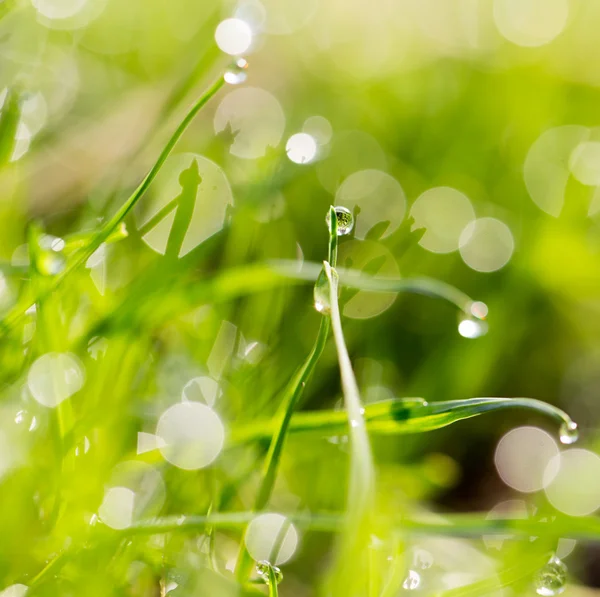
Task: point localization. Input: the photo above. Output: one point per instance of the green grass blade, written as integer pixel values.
(349, 577)
(113, 223)
(282, 420)
(400, 415)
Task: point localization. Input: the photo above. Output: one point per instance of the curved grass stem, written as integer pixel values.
(282, 420)
(361, 489)
(83, 254)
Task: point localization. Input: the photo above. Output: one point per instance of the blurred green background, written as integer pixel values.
(463, 135)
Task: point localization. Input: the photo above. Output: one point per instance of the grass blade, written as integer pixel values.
(400, 415)
(349, 577)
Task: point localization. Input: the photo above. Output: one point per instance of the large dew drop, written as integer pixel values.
(472, 328)
(551, 579)
(412, 581)
(263, 567)
(236, 73)
(345, 220)
(569, 433)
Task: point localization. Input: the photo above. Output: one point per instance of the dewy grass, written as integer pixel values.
(83, 254)
(288, 404)
(354, 568)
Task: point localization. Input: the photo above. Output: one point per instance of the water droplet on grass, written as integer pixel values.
(569, 433)
(321, 294)
(478, 309)
(26, 419)
(345, 220)
(236, 73)
(472, 328)
(551, 579)
(263, 567)
(423, 559)
(412, 581)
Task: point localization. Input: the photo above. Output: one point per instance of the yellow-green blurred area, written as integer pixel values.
(464, 138)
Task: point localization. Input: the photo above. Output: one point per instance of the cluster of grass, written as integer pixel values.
(139, 344)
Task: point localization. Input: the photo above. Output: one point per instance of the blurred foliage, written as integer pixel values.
(431, 93)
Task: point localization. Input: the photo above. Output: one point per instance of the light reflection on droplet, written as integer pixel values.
(376, 198)
(531, 22)
(443, 212)
(236, 73)
(345, 220)
(472, 328)
(486, 244)
(568, 433)
(233, 36)
(572, 482)
(478, 309)
(97, 347)
(264, 535)
(263, 569)
(54, 377)
(551, 579)
(83, 447)
(522, 456)
(255, 120)
(301, 148)
(26, 419)
(412, 581)
(192, 433)
(422, 559)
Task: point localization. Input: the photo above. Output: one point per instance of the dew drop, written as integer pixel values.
(551, 579)
(321, 294)
(472, 328)
(478, 309)
(25, 419)
(345, 220)
(263, 567)
(236, 73)
(423, 559)
(568, 433)
(412, 581)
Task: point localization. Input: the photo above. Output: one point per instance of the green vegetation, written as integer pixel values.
(265, 368)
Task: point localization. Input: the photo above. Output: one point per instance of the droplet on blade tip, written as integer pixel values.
(263, 567)
(345, 220)
(236, 73)
(569, 433)
(551, 579)
(412, 581)
(478, 309)
(472, 328)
